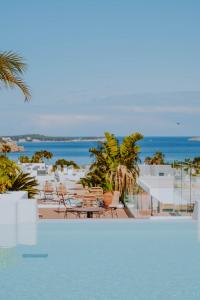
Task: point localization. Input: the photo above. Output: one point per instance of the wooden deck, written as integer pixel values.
(52, 213)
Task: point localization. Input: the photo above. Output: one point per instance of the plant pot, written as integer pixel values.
(107, 198)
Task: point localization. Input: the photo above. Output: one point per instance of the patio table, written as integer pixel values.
(88, 210)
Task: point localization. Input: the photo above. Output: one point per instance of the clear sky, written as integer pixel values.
(118, 65)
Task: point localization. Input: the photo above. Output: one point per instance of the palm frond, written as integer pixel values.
(111, 144)
(11, 67)
(25, 182)
(13, 62)
(128, 145)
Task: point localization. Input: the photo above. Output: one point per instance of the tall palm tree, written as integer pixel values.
(116, 165)
(12, 67)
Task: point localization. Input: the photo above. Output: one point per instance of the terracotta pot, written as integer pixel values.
(107, 198)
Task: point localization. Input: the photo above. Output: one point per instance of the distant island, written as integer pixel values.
(44, 138)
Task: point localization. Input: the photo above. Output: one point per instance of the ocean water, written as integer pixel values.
(105, 260)
(174, 148)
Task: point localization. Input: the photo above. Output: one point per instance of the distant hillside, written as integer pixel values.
(40, 137)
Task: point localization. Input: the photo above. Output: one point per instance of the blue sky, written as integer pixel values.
(93, 65)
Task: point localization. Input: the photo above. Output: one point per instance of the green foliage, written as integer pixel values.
(24, 159)
(194, 166)
(63, 162)
(38, 157)
(12, 67)
(158, 158)
(115, 165)
(8, 169)
(25, 182)
(12, 179)
(189, 165)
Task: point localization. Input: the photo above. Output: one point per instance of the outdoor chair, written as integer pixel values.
(69, 206)
(90, 201)
(61, 189)
(49, 191)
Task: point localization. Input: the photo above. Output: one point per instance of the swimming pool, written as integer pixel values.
(123, 259)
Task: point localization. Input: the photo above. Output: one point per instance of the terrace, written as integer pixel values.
(165, 191)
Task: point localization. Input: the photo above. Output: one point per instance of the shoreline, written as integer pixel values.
(63, 141)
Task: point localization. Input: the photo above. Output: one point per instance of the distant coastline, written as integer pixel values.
(62, 141)
(43, 138)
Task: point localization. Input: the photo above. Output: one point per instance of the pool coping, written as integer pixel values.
(152, 219)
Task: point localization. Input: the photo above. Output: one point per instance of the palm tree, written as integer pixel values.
(48, 155)
(191, 165)
(148, 160)
(116, 165)
(63, 162)
(24, 159)
(8, 169)
(158, 158)
(196, 165)
(39, 155)
(24, 182)
(12, 67)
(94, 179)
(12, 179)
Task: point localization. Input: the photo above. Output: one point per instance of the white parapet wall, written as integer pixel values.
(196, 212)
(159, 187)
(156, 170)
(16, 208)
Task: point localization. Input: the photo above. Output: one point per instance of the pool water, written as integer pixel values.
(137, 260)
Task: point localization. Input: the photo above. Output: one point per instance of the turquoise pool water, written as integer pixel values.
(137, 260)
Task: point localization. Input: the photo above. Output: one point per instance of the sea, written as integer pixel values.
(174, 148)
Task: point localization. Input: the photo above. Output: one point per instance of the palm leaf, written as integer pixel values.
(111, 144)
(11, 67)
(25, 182)
(128, 145)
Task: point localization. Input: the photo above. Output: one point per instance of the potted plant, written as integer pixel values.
(108, 195)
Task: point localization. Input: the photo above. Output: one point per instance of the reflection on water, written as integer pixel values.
(10, 237)
(8, 257)
(196, 217)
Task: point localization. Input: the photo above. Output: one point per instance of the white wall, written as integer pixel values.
(159, 187)
(16, 208)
